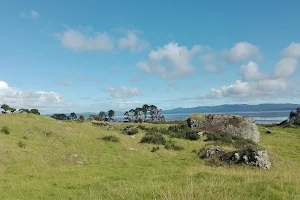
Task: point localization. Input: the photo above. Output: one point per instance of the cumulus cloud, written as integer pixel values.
(170, 61)
(32, 15)
(132, 42)
(126, 105)
(83, 41)
(249, 90)
(44, 101)
(124, 92)
(249, 72)
(243, 51)
(286, 67)
(293, 50)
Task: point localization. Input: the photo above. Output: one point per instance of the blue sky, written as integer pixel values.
(100, 55)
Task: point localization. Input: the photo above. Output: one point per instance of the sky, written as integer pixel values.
(88, 56)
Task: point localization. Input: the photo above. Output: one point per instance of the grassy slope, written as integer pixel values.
(48, 169)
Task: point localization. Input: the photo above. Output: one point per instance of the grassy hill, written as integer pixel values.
(43, 158)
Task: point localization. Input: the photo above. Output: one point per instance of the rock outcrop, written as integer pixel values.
(243, 127)
(251, 157)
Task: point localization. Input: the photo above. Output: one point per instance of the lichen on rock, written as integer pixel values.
(243, 127)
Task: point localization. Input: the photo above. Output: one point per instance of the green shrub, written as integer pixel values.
(220, 137)
(130, 131)
(142, 127)
(21, 144)
(172, 145)
(111, 138)
(5, 130)
(297, 121)
(242, 143)
(155, 149)
(182, 131)
(153, 138)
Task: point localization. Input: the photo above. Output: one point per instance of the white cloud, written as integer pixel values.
(170, 61)
(124, 92)
(249, 72)
(32, 15)
(44, 101)
(82, 41)
(293, 50)
(133, 42)
(272, 85)
(243, 51)
(245, 90)
(286, 67)
(126, 105)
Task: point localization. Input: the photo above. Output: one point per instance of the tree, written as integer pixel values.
(81, 118)
(111, 115)
(102, 115)
(35, 111)
(73, 116)
(12, 110)
(293, 115)
(24, 110)
(145, 110)
(298, 111)
(127, 117)
(5, 107)
(60, 117)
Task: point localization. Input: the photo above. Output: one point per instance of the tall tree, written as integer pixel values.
(81, 118)
(102, 115)
(5, 107)
(12, 110)
(298, 111)
(73, 116)
(145, 110)
(111, 115)
(35, 111)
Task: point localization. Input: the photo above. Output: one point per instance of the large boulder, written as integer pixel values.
(252, 157)
(243, 127)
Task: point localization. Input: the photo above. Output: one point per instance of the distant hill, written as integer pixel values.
(233, 108)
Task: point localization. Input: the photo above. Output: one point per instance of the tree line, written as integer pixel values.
(144, 114)
(7, 109)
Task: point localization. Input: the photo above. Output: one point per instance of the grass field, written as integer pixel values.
(43, 158)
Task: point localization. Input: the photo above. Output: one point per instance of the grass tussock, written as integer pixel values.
(5, 130)
(111, 138)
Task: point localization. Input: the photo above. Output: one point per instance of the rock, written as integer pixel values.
(243, 127)
(200, 134)
(131, 149)
(251, 157)
(268, 132)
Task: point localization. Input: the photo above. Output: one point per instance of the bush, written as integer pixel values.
(297, 121)
(130, 131)
(220, 137)
(111, 138)
(172, 145)
(142, 127)
(21, 144)
(153, 138)
(5, 130)
(181, 130)
(155, 149)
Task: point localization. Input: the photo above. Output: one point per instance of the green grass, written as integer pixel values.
(72, 163)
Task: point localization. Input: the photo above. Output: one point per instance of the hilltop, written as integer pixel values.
(42, 158)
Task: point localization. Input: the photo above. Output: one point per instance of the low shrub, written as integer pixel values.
(181, 131)
(172, 145)
(21, 144)
(220, 137)
(5, 130)
(142, 127)
(111, 138)
(155, 149)
(153, 138)
(130, 131)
